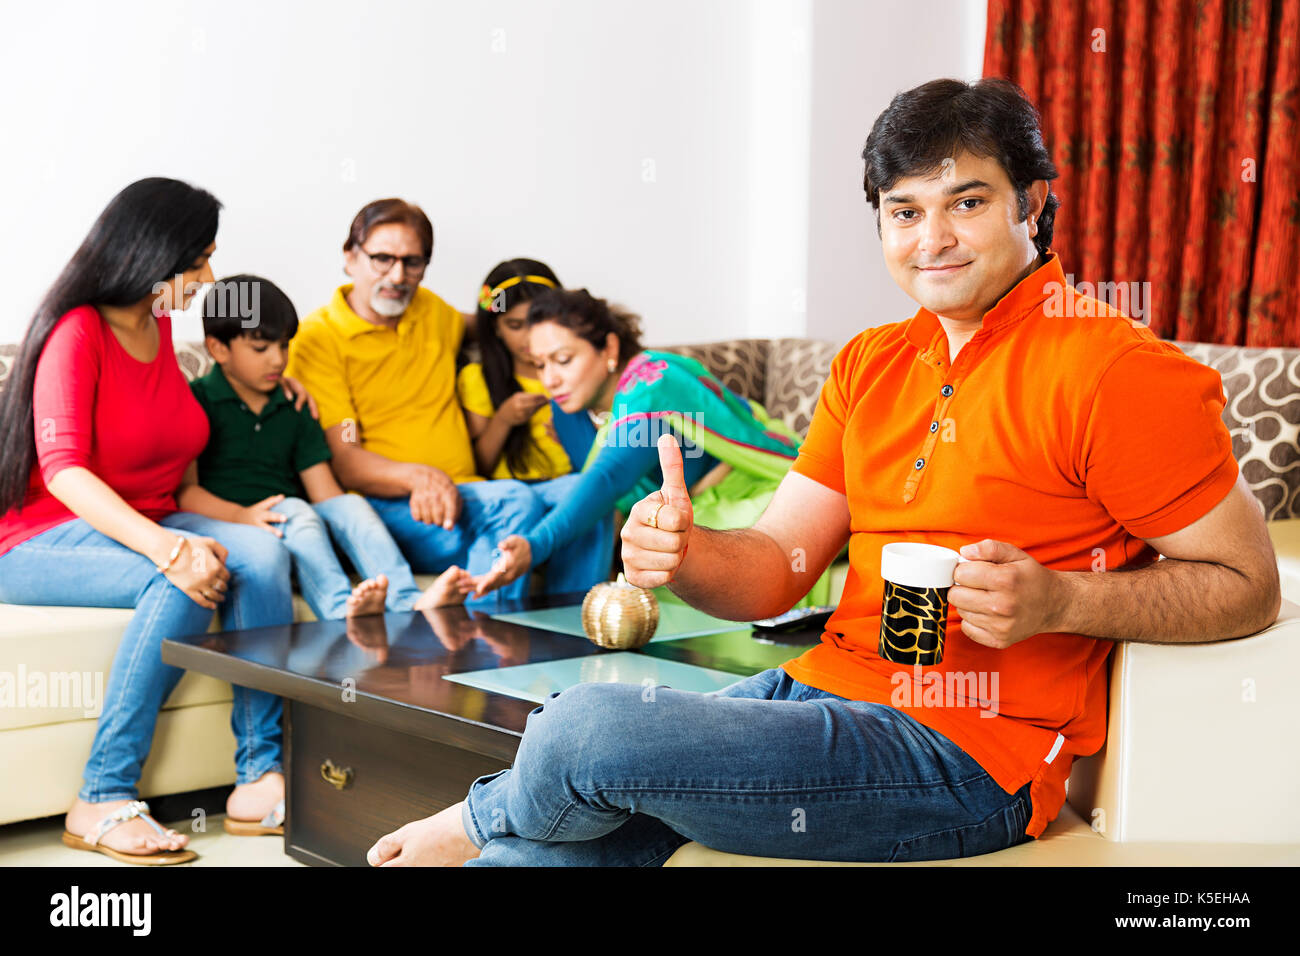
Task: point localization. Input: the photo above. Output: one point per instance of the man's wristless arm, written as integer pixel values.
(737, 575)
(1168, 602)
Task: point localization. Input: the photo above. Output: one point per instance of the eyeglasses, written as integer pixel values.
(381, 262)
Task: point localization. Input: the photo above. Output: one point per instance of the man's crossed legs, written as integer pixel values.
(621, 775)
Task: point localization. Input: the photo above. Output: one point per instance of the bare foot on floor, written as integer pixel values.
(368, 597)
(253, 801)
(439, 840)
(451, 587)
(133, 836)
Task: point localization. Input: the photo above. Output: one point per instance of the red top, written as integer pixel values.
(134, 424)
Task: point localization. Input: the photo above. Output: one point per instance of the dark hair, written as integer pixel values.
(247, 305)
(498, 362)
(151, 231)
(991, 117)
(382, 212)
(589, 318)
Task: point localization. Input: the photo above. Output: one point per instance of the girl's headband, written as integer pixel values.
(487, 295)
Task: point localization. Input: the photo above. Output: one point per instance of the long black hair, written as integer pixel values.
(152, 230)
(992, 117)
(518, 276)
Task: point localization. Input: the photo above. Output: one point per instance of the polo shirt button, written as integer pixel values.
(257, 427)
(920, 463)
(934, 427)
(946, 391)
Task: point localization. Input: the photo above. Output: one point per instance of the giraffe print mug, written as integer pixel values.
(914, 611)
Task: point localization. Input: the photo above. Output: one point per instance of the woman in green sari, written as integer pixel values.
(590, 358)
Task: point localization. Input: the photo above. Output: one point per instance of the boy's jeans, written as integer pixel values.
(361, 534)
(623, 775)
(74, 565)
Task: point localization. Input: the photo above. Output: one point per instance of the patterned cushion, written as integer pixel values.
(1263, 417)
(7, 355)
(193, 359)
(796, 371)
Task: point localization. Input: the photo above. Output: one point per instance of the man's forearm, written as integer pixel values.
(372, 474)
(738, 575)
(1168, 602)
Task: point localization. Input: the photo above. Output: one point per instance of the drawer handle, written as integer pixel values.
(337, 777)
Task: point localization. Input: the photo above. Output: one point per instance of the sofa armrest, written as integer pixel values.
(1200, 742)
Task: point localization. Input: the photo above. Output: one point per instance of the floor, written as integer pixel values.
(37, 843)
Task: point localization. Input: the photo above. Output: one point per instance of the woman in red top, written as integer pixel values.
(99, 428)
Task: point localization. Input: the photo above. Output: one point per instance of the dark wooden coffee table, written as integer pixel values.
(374, 737)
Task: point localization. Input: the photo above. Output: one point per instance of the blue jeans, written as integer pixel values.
(354, 525)
(623, 775)
(74, 565)
(490, 512)
(585, 561)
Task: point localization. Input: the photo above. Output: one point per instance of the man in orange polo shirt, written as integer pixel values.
(1043, 434)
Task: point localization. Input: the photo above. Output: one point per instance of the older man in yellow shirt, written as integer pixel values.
(380, 360)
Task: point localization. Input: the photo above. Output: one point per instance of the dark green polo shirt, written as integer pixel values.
(250, 457)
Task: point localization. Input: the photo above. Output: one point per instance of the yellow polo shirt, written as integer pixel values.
(397, 387)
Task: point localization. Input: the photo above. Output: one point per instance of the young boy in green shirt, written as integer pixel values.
(264, 457)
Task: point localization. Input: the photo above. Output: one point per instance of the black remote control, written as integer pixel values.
(801, 619)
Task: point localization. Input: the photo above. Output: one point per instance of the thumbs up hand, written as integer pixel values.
(658, 530)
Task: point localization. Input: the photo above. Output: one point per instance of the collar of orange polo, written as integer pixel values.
(346, 320)
(1025, 296)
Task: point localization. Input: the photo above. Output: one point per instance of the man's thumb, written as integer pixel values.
(994, 552)
(670, 463)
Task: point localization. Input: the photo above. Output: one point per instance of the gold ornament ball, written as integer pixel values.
(619, 616)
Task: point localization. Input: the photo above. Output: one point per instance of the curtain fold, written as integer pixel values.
(1174, 125)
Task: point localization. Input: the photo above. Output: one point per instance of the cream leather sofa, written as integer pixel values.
(1198, 767)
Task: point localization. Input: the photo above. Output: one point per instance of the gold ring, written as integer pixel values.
(653, 520)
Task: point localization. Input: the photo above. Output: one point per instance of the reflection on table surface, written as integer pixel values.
(403, 657)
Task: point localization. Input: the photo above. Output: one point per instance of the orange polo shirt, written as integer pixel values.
(1061, 428)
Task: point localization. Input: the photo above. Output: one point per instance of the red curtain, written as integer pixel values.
(1175, 127)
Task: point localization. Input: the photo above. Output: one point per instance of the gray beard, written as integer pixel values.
(389, 308)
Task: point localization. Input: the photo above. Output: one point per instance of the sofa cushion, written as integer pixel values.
(1068, 841)
(1199, 742)
(796, 371)
(64, 654)
(1263, 417)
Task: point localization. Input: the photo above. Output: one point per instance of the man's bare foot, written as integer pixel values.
(253, 801)
(439, 840)
(133, 836)
(451, 587)
(368, 597)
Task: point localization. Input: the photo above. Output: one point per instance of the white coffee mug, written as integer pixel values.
(914, 606)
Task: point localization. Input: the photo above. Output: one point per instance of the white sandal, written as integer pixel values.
(136, 808)
(271, 825)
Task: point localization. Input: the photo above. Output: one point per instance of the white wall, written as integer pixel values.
(864, 53)
(693, 159)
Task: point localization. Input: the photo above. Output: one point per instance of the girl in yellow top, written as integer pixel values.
(508, 412)
(518, 432)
